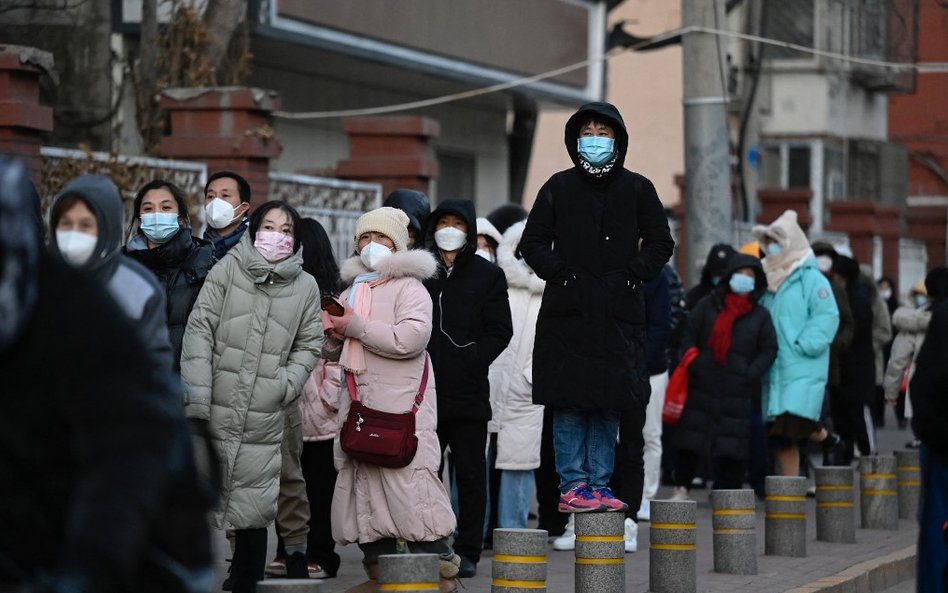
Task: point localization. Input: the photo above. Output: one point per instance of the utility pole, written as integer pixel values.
(707, 158)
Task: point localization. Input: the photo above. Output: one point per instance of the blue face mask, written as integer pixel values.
(774, 249)
(596, 150)
(741, 284)
(160, 226)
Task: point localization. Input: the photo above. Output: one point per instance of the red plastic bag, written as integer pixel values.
(677, 391)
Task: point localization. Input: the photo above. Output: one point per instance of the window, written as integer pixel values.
(456, 173)
(798, 167)
(792, 21)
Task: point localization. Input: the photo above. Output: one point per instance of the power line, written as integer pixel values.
(920, 67)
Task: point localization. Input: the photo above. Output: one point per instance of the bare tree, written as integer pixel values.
(222, 18)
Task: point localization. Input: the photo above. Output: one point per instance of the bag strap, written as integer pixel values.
(420, 397)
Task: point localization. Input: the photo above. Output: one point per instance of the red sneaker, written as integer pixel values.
(608, 500)
(579, 500)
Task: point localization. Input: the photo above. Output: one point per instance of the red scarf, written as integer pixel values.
(720, 341)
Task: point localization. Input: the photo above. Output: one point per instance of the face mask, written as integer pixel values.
(774, 249)
(824, 263)
(450, 238)
(219, 213)
(885, 294)
(595, 150)
(715, 280)
(921, 300)
(485, 254)
(373, 253)
(273, 246)
(741, 284)
(160, 226)
(75, 247)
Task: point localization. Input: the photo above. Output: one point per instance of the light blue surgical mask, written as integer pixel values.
(741, 284)
(774, 249)
(596, 150)
(159, 227)
(921, 300)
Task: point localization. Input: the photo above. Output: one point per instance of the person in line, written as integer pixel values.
(488, 238)
(380, 339)
(178, 259)
(505, 216)
(840, 409)
(227, 204)
(309, 474)
(417, 207)
(86, 218)
(472, 327)
(84, 448)
(736, 344)
(516, 422)
(805, 317)
(928, 389)
(252, 340)
(911, 323)
(582, 237)
(887, 293)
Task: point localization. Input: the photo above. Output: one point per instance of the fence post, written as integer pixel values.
(409, 573)
(785, 522)
(671, 555)
(519, 563)
(909, 474)
(600, 552)
(733, 522)
(835, 513)
(879, 504)
(23, 121)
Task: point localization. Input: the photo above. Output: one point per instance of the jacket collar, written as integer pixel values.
(260, 270)
(412, 263)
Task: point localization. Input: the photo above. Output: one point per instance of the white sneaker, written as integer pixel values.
(631, 536)
(680, 493)
(567, 541)
(645, 511)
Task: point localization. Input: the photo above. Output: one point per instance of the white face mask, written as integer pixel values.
(373, 253)
(450, 238)
(219, 213)
(485, 254)
(885, 294)
(76, 247)
(824, 263)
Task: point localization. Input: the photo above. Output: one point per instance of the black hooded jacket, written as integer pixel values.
(181, 265)
(132, 286)
(929, 388)
(416, 206)
(716, 418)
(582, 237)
(471, 319)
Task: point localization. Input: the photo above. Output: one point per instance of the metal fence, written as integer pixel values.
(335, 203)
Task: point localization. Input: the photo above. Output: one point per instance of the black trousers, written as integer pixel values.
(628, 477)
(729, 473)
(849, 420)
(320, 475)
(547, 482)
(250, 559)
(468, 440)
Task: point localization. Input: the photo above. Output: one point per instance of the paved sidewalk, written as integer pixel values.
(887, 554)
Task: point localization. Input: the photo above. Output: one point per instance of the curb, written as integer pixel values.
(871, 576)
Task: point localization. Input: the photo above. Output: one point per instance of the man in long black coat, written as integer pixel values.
(583, 237)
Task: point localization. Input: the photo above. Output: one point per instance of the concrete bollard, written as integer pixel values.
(671, 554)
(600, 552)
(835, 513)
(409, 573)
(735, 539)
(785, 519)
(909, 477)
(879, 503)
(519, 561)
(290, 586)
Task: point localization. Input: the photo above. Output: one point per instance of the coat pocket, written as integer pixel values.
(561, 299)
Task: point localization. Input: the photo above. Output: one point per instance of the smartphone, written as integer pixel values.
(332, 306)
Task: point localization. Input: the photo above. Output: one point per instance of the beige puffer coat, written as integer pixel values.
(370, 502)
(910, 325)
(252, 339)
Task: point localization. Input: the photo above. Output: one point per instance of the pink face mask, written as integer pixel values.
(273, 246)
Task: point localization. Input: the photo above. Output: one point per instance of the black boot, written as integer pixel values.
(250, 559)
(834, 450)
(297, 566)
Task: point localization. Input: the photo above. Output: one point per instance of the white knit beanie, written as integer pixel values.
(391, 222)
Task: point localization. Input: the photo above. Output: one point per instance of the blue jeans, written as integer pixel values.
(932, 516)
(585, 443)
(513, 502)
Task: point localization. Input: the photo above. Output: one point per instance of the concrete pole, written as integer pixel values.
(519, 561)
(409, 573)
(707, 149)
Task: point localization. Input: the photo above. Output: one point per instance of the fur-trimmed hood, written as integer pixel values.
(519, 274)
(414, 263)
